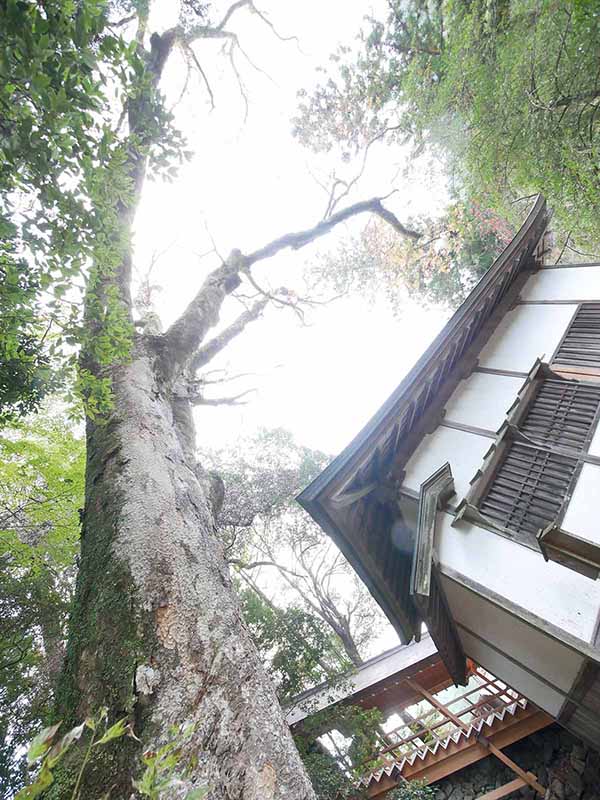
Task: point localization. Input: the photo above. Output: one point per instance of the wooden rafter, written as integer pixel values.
(461, 754)
(504, 791)
(524, 776)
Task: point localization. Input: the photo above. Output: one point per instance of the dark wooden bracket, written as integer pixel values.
(426, 589)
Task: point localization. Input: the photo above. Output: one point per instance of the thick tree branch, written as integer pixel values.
(186, 334)
(300, 239)
(218, 343)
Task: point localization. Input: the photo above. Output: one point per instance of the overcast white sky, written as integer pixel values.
(250, 182)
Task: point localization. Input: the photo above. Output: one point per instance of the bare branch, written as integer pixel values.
(236, 400)
(566, 244)
(227, 378)
(277, 297)
(190, 51)
(238, 562)
(183, 89)
(240, 82)
(124, 21)
(218, 343)
(231, 11)
(349, 185)
(213, 31)
(268, 22)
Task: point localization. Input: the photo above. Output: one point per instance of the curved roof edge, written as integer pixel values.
(536, 219)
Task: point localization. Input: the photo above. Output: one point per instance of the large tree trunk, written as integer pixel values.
(156, 631)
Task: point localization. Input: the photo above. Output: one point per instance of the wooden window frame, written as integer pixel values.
(554, 543)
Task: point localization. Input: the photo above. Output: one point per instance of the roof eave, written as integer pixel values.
(318, 488)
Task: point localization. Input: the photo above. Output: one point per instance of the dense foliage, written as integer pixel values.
(504, 91)
(441, 267)
(50, 95)
(41, 490)
(68, 75)
(297, 647)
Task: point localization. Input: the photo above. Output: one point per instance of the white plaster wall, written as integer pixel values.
(482, 400)
(463, 450)
(542, 654)
(515, 676)
(526, 333)
(595, 443)
(565, 598)
(572, 283)
(582, 517)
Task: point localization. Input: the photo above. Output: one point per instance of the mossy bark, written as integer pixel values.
(156, 631)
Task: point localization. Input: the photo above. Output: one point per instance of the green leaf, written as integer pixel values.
(42, 782)
(114, 732)
(41, 743)
(196, 794)
(61, 747)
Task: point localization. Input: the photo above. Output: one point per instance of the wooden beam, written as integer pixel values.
(436, 703)
(525, 776)
(459, 756)
(468, 751)
(504, 791)
(481, 739)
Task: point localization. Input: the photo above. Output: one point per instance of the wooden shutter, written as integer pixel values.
(529, 488)
(530, 485)
(562, 412)
(581, 344)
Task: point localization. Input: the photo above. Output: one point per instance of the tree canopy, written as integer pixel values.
(504, 91)
(52, 139)
(41, 492)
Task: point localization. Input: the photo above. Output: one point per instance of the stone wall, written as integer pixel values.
(567, 768)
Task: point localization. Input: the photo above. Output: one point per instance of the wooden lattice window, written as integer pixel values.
(527, 484)
(580, 346)
(562, 413)
(538, 464)
(528, 489)
(529, 474)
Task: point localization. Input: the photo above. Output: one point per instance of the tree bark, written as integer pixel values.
(157, 632)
